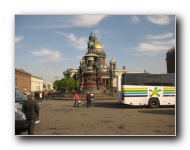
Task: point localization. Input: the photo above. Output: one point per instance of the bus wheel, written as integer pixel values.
(153, 103)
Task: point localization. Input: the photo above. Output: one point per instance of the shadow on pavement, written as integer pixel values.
(118, 105)
(115, 105)
(161, 112)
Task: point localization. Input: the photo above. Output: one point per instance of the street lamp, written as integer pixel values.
(111, 73)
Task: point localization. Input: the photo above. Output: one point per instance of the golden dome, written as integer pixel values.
(98, 45)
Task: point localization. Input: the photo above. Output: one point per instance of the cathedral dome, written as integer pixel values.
(94, 46)
(98, 45)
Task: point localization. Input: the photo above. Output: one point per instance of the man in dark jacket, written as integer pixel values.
(88, 99)
(31, 110)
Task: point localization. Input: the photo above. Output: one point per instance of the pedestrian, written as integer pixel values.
(76, 99)
(88, 99)
(31, 110)
(91, 99)
(60, 92)
(40, 94)
(43, 95)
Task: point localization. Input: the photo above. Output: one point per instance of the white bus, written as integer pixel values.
(152, 90)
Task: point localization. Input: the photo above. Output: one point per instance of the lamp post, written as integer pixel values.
(112, 75)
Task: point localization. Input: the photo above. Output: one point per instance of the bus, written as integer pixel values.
(152, 90)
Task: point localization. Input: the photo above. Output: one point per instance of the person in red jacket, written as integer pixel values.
(76, 99)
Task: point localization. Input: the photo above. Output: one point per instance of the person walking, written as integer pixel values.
(40, 94)
(35, 96)
(31, 110)
(76, 99)
(88, 99)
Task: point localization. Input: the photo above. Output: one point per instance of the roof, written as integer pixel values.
(22, 71)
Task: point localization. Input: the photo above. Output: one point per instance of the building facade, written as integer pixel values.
(27, 82)
(170, 60)
(22, 80)
(48, 86)
(72, 71)
(36, 84)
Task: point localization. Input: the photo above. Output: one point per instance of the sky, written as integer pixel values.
(46, 45)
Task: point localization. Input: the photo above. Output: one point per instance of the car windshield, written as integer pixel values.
(19, 96)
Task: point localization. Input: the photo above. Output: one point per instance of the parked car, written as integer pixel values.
(20, 118)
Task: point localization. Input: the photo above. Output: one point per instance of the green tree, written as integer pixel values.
(67, 84)
(62, 85)
(55, 84)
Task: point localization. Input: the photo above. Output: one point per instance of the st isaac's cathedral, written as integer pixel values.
(94, 73)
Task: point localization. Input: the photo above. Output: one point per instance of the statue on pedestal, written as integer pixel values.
(98, 65)
(91, 41)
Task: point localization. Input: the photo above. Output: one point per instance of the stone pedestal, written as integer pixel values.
(92, 81)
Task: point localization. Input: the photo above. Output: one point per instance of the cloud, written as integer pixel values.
(70, 21)
(100, 32)
(86, 20)
(151, 47)
(145, 54)
(18, 39)
(160, 19)
(155, 46)
(48, 55)
(169, 42)
(162, 36)
(135, 19)
(76, 42)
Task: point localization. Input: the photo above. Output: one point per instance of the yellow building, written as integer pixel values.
(36, 84)
(48, 86)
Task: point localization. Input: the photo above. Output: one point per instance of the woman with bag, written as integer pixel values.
(76, 100)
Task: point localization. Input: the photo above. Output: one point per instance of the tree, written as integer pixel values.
(55, 84)
(67, 84)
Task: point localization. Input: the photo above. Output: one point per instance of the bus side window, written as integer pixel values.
(152, 80)
(168, 80)
(133, 80)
